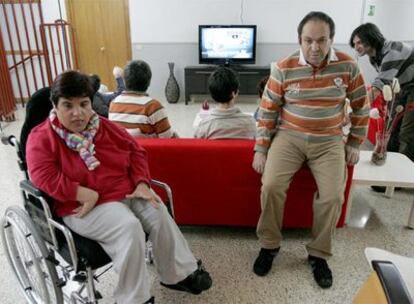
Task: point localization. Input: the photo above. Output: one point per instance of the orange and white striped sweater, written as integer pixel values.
(309, 102)
(140, 115)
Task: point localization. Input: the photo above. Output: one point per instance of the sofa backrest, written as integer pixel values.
(213, 182)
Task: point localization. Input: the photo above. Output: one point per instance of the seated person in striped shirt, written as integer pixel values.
(391, 59)
(307, 92)
(225, 120)
(138, 113)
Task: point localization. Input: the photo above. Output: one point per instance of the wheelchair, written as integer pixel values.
(45, 255)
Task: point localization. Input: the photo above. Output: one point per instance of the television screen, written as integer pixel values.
(226, 44)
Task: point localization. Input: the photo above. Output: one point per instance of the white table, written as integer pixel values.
(398, 171)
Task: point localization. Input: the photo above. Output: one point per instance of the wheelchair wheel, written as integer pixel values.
(27, 253)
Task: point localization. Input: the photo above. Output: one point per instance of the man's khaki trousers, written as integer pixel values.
(326, 159)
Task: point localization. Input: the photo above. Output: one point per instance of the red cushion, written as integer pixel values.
(213, 182)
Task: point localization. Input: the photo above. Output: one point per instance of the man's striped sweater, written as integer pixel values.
(309, 102)
(141, 115)
(396, 59)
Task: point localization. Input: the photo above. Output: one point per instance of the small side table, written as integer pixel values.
(398, 171)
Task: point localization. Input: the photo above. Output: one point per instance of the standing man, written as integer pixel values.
(306, 92)
(391, 59)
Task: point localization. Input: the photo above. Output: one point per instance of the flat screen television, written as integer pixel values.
(227, 44)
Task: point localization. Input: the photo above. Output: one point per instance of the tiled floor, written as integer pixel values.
(228, 253)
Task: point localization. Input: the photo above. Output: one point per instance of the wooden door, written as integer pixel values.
(102, 36)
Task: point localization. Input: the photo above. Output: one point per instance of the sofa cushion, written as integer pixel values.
(213, 182)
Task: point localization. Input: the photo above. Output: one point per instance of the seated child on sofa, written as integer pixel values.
(140, 114)
(225, 120)
(260, 89)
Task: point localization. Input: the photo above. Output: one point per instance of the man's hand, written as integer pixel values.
(259, 162)
(144, 192)
(118, 72)
(87, 199)
(351, 155)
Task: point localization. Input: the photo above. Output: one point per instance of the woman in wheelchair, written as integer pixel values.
(97, 175)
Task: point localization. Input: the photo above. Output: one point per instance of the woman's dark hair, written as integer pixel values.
(71, 84)
(369, 34)
(137, 75)
(222, 83)
(95, 82)
(317, 16)
(261, 85)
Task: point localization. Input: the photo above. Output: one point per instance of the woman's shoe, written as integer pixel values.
(195, 283)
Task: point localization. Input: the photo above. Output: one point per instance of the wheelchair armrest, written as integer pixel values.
(28, 186)
(168, 191)
(392, 283)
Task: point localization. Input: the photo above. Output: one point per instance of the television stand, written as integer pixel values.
(196, 78)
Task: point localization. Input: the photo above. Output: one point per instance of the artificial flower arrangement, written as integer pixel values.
(388, 113)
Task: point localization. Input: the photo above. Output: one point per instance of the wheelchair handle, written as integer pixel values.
(9, 140)
(30, 188)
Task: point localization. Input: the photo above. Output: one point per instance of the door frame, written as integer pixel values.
(69, 14)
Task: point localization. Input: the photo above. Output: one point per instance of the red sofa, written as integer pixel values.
(213, 183)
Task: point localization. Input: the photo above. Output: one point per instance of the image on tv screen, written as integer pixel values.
(232, 42)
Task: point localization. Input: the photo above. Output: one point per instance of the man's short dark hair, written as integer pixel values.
(321, 16)
(137, 75)
(71, 84)
(369, 34)
(95, 82)
(222, 83)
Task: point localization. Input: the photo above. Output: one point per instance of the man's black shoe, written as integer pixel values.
(195, 283)
(382, 189)
(321, 271)
(264, 261)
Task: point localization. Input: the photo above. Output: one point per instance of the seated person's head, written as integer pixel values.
(223, 85)
(95, 82)
(261, 85)
(71, 95)
(137, 76)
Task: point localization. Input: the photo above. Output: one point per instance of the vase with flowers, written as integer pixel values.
(388, 113)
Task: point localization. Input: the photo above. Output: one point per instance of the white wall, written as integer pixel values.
(393, 17)
(172, 21)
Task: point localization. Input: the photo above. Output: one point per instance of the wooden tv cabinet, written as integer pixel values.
(196, 78)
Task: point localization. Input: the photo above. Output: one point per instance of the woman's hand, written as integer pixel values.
(143, 191)
(87, 199)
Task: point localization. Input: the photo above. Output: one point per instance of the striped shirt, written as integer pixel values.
(396, 59)
(140, 115)
(309, 102)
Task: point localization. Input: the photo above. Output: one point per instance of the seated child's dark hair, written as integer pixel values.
(261, 85)
(95, 82)
(137, 75)
(222, 83)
